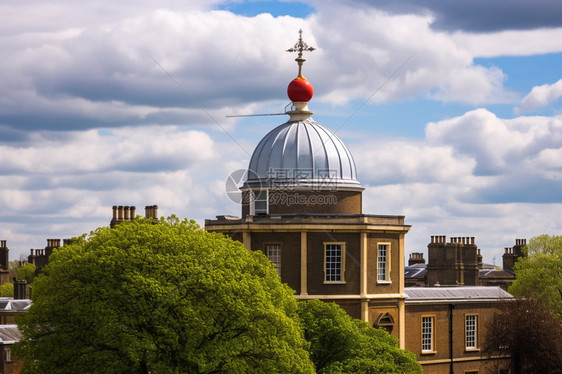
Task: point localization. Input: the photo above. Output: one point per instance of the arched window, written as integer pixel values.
(384, 321)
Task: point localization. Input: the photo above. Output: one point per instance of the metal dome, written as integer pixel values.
(302, 153)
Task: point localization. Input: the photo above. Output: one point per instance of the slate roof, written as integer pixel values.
(9, 334)
(496, 274)
(455, 294)
(9, 304)
(415, 271)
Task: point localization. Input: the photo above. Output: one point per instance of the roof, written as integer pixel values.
(9, 334)
(415, 271)
(15, 305)
(455, 294)
(302, 153)
(495, 273)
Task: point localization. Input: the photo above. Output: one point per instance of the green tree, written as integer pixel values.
(539, 274)
(26, 272)
(160, 298)
(7, 290)
(341, 344)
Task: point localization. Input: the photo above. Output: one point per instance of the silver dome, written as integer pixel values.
(302, 153)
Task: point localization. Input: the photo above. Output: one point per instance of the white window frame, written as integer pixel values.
(427, 334)
(383, 275)
(255, 199)
(471, 332)
(330, 258)
(274, 254)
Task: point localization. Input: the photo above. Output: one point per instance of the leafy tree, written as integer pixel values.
(525, 332)
(7, 290)
(13, 268)
(26, 272)
(341, 344)
(539, 274)
(160, 298)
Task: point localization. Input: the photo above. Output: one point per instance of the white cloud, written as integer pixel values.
(540, 96)
(510, 43)
(70, 67)
(114, 70)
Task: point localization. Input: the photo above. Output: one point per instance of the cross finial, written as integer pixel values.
(300, 47)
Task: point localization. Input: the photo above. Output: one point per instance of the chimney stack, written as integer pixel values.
(151, 211)
(20, 289)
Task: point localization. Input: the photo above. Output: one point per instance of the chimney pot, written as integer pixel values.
(120, 212)
(126, 210)
(133, 210)
(115, 212)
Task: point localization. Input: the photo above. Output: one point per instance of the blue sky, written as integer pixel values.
(452, 110)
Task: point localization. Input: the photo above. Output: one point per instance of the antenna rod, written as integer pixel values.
(256, 115)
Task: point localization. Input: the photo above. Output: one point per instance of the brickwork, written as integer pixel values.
(439, 361)
(290, 201)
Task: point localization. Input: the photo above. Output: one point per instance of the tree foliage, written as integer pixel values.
(26, 272)
(7, 290)
(528, 334)
(539, 274)
(341, 344)
(160, 298)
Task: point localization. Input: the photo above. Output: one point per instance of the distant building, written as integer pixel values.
(446, 327)
(4, 262)
(456, 262)
(459, 262)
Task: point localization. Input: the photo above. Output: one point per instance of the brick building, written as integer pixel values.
(302, 206)
(446, 327)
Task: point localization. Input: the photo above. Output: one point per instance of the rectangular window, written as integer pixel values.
(383, 254)
(334, 262)
(427, 334)
(273, 252)
(471, 331)
(259, 204)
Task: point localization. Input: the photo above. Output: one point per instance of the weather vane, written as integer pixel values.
(300, 47)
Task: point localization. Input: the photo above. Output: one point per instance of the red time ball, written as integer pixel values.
(300, 90)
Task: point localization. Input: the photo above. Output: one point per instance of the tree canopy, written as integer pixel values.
(341, 344)
(7, 290)
(526, 333)
(165, 297)
(539, 274)
(26, 272)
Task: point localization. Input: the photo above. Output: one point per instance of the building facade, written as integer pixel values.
(302, 207)
(447, 325)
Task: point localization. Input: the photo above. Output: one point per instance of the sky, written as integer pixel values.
(451, 110)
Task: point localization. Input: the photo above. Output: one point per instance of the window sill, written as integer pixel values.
(472, 349)
(384, 283)
(428, 352)
(334, 282)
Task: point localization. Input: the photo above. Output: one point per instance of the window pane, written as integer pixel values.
(427, 334)
(382, 263)
(471, 328)
(260, 202)
(274, 254)
(333, 262)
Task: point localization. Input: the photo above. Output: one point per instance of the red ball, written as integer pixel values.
(300, 90)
